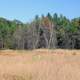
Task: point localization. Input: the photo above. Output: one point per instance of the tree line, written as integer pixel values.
(50, 31)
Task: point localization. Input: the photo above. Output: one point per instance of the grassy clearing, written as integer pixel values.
(40, 64)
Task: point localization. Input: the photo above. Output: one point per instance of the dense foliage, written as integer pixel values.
(43, 32)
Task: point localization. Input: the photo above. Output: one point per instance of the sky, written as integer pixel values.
(25, 10)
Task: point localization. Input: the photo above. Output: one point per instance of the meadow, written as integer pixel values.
(40, 64)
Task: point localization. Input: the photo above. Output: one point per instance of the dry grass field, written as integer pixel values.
(40, 65)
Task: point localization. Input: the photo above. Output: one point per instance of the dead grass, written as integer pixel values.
(40, 64)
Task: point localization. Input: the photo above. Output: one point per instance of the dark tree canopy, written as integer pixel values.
(50, 31)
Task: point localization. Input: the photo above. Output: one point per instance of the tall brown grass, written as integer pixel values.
(40, 64)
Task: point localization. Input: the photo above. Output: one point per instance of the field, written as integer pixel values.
(40, 64)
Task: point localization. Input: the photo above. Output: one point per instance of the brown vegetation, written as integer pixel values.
(40, 65)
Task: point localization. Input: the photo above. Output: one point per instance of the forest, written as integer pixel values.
(50, 31)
